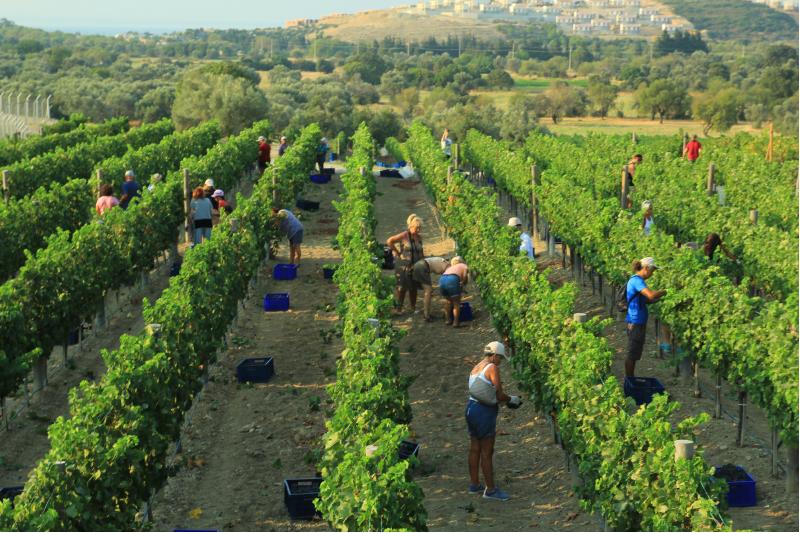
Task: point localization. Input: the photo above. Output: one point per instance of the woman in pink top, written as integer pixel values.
(106, 200)
(451, 285)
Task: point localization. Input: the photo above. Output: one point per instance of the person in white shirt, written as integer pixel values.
(526, 241)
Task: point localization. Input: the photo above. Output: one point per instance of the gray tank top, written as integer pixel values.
(481, 389)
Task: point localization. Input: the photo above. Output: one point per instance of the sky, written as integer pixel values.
(114, 16)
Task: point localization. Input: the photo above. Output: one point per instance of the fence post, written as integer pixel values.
(742, 414)
(754, 216)
(40, 372)
(580, 318)
(684, 449)
(718, 397)
(6, 192)
(710, 184)
(186, 205)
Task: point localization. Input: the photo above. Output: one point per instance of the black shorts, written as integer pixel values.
(636, 336)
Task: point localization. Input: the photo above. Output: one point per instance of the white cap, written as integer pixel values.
(649, 262)
(262, 139)
(209, 183)
(495, 347)
(283, 138)
(514, 222)
(324, 139)
(647, 204)
(218, 193)
(130, 173)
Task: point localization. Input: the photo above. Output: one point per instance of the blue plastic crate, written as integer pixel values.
(299, 496)
(333, 157)
(284, 272)
(491, 182)
(741, 493)
(278, 301)
(642, 389)
(399, 164)
(466, 313)
(408, 449)
(380, 164)
(328, 272)
(255, 370)
(175, 269)
(307, 205)
(74, 336)
(321, 178)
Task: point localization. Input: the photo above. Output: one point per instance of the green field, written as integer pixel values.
(542, 84)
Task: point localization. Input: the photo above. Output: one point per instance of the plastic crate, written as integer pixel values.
(307, 205)
(74, 336)
(381, 164)
(466, 313)
(284, 272)
(328, 273)
(388, 259)
(399, 164)
(408, 449)
(741, 493)
(299, 495)
(255, 370)
(175, 269)
(321, 178)
(10, 493)
(333, 157)
(278, 301)
(642, 389)
(491, 182)
(329, 171)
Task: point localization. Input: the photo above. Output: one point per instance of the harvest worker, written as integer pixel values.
(447, 143)
(130, 189)
(208, 190)
(200, 213)
(452, 284)
(155, 179)
(692, 149)
(639, 296)
(712, 242)
(527, 244)
(106, 200)
(485, 395)
(647, 217)
(322, 150)
(293, 229)
(264, 154)
(407, 248)
(421, 277)
(283, 146)
(630, 170)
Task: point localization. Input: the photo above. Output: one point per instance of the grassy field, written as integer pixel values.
(542, 84)
(640, 126)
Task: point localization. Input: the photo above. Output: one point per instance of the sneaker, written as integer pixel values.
(496, 494)
(476, 489)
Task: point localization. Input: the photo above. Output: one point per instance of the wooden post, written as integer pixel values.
(623, 199)
(718, 397)
(696, 371)
(534, 207)
(99, 181)
(791, 467)
(685, 142)
(742, 414)
(684, 449)
(634, 139)
(274, 189)
(6, 192)
(580, 318)
(770, 145)
(775, 441)
(455, 155)
(754, 216)
(40, 372)
(710, 184)
(187, 195)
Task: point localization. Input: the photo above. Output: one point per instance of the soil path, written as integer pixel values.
(776, 511)
(527, 464)
(242, 440)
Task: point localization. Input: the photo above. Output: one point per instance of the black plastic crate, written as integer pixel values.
(299, 495)
(408, 449)
(307, 205)
(642, 389)
(10, 493)
(255, 370)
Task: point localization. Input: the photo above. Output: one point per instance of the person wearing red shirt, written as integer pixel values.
(264, 150)
(692, 149)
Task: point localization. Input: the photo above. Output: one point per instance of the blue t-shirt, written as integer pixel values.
(131, 189)
(637, 308)
(289, 223)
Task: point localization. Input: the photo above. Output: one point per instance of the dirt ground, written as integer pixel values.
(776, 511)
(235, 442)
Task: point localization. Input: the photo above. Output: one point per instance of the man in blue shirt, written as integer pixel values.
(130, 189)
(639, 296)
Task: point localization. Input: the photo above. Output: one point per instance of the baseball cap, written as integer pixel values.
(495, 347)
(209, 183)
(130, 173)
(324, 139)
(218, 193)
(283, 138)
(649, 262)
(514, 222)
(262, 139)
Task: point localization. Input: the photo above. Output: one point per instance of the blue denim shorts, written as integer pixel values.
(481, 419)
(450, 285)
(296, 239)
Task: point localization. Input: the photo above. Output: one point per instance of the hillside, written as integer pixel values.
(737, 19)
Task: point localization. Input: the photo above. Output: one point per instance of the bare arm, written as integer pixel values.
(494, 376)
(394, 240)
(726, 252)
(653, 296)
